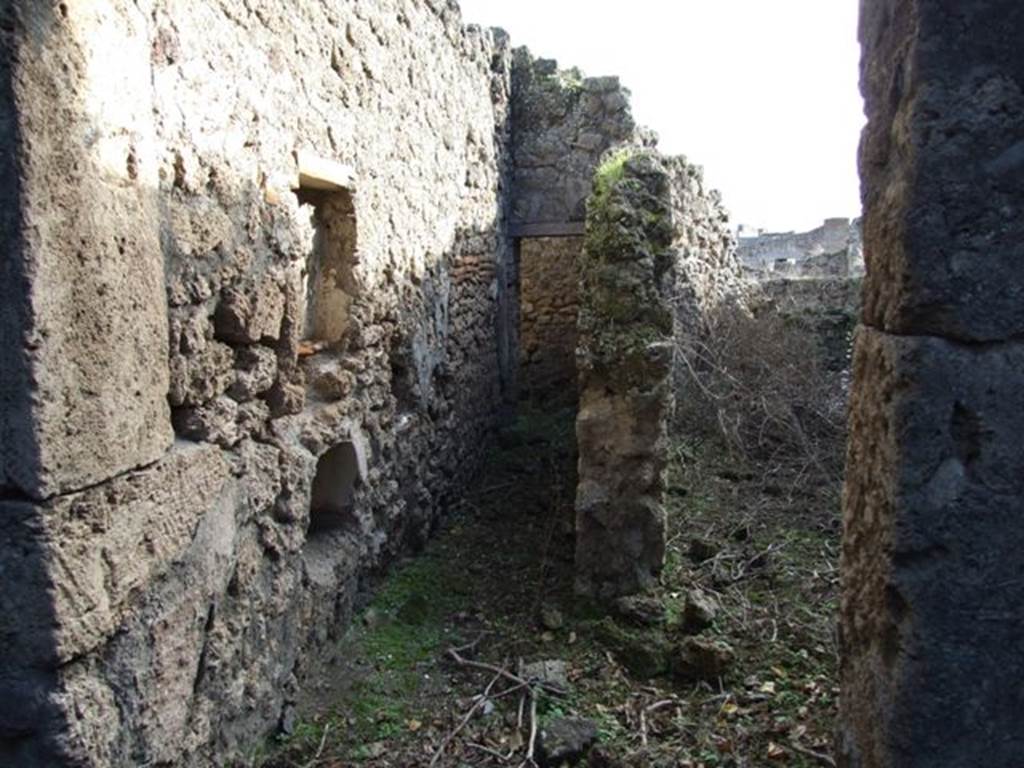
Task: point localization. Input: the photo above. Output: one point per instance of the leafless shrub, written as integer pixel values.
(762, 384)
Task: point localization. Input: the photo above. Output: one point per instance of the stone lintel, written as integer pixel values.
(315, 172)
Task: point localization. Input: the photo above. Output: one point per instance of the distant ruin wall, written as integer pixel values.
(707, 272)
(549, 305)
(831, 250)
(178, 188)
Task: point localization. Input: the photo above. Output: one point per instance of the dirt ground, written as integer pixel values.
(752, 552)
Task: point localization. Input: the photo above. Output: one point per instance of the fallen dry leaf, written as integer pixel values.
(775, 752)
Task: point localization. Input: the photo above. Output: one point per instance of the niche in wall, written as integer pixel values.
(332, 500)
(329, 278)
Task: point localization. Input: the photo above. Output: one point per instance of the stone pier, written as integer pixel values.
(932, 617)
(624, 359)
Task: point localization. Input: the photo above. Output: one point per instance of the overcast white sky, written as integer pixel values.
(762, 93)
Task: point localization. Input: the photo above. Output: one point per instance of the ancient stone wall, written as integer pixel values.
(548, 293)
(827, 307)
(563, 124)
(329, 343)
(83, 318)
(707, 272)
(932, 591)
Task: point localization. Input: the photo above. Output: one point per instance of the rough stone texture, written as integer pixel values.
(563, 124)
(565, 741)
(932, 509)
(932, 585)
(701, 658)
(645, 653)
(707, 272)
(658, 257)
(941, 159)
(84, 322)
(699, 611)
(625, 358)
(99, 553)
(548, 309)
(164, 260)
(553, 672)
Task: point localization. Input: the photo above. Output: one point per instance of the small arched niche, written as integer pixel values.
(332, 501)
(329, 279)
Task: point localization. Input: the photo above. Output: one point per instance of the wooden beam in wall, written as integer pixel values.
(547, 229)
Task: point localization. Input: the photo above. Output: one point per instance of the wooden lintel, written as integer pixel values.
(547, 229)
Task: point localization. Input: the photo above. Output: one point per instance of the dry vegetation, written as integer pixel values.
(762, 386)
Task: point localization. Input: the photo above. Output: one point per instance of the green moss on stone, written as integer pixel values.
(645, 653)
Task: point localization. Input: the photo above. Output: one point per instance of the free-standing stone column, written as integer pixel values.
(932, 617)
(624, 359)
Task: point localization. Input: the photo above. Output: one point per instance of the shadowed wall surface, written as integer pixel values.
(932, 578)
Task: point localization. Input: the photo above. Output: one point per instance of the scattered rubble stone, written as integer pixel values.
(644, 653)
(642, 610)
(699, 612)
(701, 658)
(552, 671)
(565, 740)
(551, 617)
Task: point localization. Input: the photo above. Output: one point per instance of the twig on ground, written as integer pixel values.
(471, 646)
(489, 751)
(454, 655)
(819, 756)
(533, 730)
(465, 720)
(745, 568)
(320, 750)
(662, 704)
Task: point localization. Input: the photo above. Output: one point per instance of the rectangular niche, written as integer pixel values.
(329, 281)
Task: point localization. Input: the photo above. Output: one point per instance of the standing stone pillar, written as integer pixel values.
(932, 617)
(624, 360)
